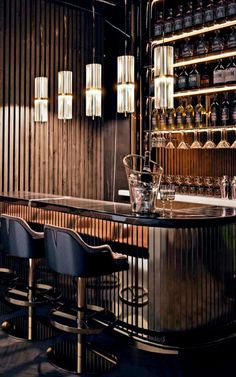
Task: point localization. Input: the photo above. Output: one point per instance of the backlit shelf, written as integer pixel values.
(205, 29)
(210, 90)
(205, 58)
(204, 129)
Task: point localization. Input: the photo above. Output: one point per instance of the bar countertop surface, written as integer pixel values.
(184, 214)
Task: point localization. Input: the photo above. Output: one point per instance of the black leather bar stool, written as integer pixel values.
(20, 240)
(67, 254)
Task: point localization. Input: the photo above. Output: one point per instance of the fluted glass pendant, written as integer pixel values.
(164, 77)
(41, 99)
(125, 84)
(94, 90)
(65, 95)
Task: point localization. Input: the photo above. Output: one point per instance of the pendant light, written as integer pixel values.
(164, 77)
(41, 99)
(65, 95)
(125, 79)
(93, 82)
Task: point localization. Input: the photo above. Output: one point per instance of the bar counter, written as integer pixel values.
(180, 289)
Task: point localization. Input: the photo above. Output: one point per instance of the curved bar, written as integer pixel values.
(180, 291)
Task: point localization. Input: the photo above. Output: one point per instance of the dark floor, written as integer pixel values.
(23, 358)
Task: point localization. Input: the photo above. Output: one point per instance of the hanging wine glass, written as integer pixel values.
(196, 144)
(182, 144)
(234, 143)
(209, 144)
(223, 143)
(170, 144)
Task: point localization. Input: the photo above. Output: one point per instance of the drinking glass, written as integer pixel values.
(223, 143)
(196, 144)
(182, 144)
(171, 197)
(208, 182)
(209, 144)
(163, 196)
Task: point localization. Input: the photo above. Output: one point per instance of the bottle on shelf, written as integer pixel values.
(187, 49)
(146, 175)
(200, 114)
(198, 15)
(215, 112)
(188, 17)
(230, 72)
(189, 110)
(231, 9)
(231, 42)
(178, 21)
(224, 116)
(180, 116)
(194, 78)
(168, 26)
(162, 119)
(233, 111)
(220, 10)
(159, 25)
(171, 122)
(217, 42)
(202, 46)
(183, 79)
(209, 13)
(219, 74)
(205, 77)
(154, 119)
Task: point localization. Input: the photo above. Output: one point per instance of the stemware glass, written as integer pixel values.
(182, 144)
(208, 182)
(223, 143)
(163, 196)
(196, 144)
(171, 197)
(170, 144)
(209, 144)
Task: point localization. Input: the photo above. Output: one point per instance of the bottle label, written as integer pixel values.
(219, 76)
(188, 22)
(178, 24)
(189, 119)
(198, 118)
(182, 82)
(232, 40)
(179, 119)
(220, 12)
(201, 48)
(170, 120)
(209, 15)
(214, 116)
(231, 9)
(233, 116)
(197, 18)
(168, 27)
(194, 80)
(158, 30)
(230, 74)
(225, 114)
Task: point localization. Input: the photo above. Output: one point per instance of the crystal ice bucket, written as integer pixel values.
(143, 192)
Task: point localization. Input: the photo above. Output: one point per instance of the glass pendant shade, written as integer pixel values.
(94, 90)
(41, 99)
(125, 84)
(65, 95)
(164, 77)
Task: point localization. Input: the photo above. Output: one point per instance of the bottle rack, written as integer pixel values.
(205, 90)
(192, 130)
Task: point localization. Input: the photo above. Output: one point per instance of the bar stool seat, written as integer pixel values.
(67, 254)
(20, 240)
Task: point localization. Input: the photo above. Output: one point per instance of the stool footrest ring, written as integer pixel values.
(20, 295)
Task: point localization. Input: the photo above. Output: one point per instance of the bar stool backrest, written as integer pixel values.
(19, 239)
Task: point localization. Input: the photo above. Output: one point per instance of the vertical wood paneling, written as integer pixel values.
(39, 38)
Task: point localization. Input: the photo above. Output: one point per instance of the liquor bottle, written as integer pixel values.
(215, 112)
(231, 42)
(158, 27)
(198, 15)
(187, 49)
(183, 79)
(217, 42)
(178, 21)
(168, 27)
(171, 119)
(209, 13)
(225, 120)
(233, 111)
(231, 9)
(180, 116)
(219, 74)
(162, 119)
(205, 77)
(230, 72)
(154, 119)
(202, 46)
(200, 114)
(188, 17)
(220, 11)
(146, 175)
(189, 110)
(194, 78)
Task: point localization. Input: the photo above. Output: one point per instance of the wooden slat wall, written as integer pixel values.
(40, 38)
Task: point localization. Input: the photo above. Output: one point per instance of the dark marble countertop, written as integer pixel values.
(185, 215)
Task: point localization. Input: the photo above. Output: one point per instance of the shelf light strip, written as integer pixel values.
(205, 91)
(195, 32)
(215, 129)
(203, 59)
